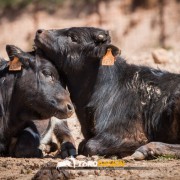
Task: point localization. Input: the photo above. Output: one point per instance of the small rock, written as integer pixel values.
(95, 158)
(91, 176)
(160, 56)
(96, 172)
(91, 173)
(114, 157)
(28, 171)
(82, 173)
(80, 157)
(23, 171)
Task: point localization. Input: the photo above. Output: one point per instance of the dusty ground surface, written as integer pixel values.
(11, 168)
(161, 168)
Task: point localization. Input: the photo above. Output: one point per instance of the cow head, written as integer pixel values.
(74, 45)
(38, 86)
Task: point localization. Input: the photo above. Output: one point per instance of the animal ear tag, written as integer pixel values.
(15, 64)
(108, 59)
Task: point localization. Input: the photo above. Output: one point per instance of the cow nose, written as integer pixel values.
(70, 108)
(40, 31)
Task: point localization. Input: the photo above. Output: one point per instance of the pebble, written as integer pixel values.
(80, 157)
(95, 158)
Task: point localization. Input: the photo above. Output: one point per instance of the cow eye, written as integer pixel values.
(48, 75)
(73, 38)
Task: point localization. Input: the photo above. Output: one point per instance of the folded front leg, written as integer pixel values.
(154, 149)
(58, 133)
(108, 144)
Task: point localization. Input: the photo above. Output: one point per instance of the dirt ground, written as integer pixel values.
(11, 168)
(160, 168)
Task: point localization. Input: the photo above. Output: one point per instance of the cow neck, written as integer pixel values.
(81, 84)
(105, 90)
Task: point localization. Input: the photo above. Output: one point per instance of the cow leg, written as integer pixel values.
(107, 144)
(154, 149)
(63, 135)
(46, 139)
(59, 130)
(27, 144)
(95, 147)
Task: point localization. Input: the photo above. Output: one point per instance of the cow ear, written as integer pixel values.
(110, 55)
(15, 65)
(17, 58)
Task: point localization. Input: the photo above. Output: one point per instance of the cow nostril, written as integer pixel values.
(69, 107)
(39, 31)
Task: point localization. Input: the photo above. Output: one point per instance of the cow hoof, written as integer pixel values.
(147, 151)
(67, 149)
(138, 155)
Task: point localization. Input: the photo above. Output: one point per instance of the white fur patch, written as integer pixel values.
(35, 135)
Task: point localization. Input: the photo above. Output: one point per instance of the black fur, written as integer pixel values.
(120, 107)
(35, 92)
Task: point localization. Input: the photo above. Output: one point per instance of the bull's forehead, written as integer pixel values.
(80, 31)
(87, 30)
(88, 34)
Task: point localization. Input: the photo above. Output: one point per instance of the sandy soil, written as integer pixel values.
(11, 168)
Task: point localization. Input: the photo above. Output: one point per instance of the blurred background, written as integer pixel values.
(136, 26)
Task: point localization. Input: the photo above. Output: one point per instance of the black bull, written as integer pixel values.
(121, 108)
(30, 89)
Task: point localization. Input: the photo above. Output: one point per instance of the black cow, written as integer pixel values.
(30, 89)
(121, 107)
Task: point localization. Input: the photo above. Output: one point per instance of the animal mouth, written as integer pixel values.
(41, 38)
(62, 115)
(37, 42)
(58, 114)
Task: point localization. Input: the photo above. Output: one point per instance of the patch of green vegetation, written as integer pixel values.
(167, 157)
